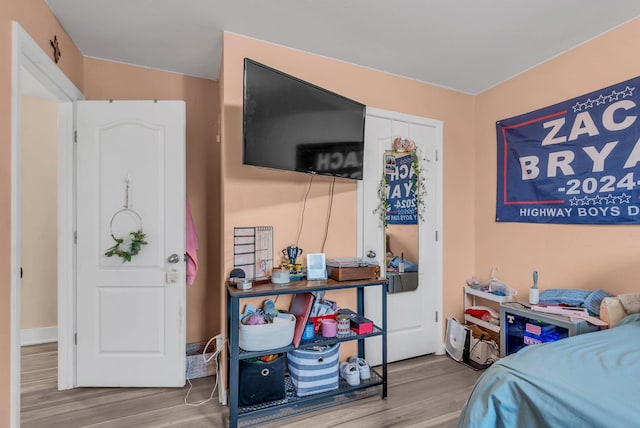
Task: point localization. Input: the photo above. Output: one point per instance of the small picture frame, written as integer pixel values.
(389, 163)
(316, 266)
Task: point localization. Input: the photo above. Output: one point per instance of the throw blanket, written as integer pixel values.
(192, 247)
(589, 380)
(588, 299)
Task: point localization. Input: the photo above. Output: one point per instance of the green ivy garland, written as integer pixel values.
(418, 189)
(383, 204)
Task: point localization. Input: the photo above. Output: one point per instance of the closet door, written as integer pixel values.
(414, 314)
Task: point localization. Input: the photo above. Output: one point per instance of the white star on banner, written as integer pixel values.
(628, 92)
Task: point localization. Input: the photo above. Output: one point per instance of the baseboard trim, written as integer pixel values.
(37, 336)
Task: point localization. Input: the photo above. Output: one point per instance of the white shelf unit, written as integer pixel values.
(473, 294)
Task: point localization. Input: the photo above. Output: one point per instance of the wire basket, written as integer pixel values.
(197, 364)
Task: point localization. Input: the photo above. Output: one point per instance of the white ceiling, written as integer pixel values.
(466, 45)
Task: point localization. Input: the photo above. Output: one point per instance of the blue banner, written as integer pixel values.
(573, 162)
(400, 189)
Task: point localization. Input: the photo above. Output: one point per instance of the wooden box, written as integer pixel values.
(353, 273)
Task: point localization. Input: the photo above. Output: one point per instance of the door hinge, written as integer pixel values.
(75, 136)
(75, 338)
(436, 316)
(436, 236)
(75, 237)
(436, 156)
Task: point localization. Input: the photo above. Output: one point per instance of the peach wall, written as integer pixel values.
(110, 80)
(255, 196)
(36, 18)
(38, 213)
(566, 256)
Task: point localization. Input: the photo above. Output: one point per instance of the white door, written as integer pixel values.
(413, 317)
(130, 177)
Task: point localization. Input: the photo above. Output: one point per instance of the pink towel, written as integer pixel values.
(192, 248)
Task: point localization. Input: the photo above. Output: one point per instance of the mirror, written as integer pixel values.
(401, 246)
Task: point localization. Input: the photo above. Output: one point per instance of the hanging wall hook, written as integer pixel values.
(127, 181)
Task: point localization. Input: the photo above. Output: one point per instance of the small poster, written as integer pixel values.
(401, 200)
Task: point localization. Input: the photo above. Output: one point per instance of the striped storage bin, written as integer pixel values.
(314, 371)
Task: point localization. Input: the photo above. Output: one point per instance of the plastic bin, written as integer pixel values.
(317, 321)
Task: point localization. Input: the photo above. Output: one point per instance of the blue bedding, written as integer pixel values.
(589, 380)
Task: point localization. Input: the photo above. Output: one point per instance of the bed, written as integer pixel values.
(589, 380)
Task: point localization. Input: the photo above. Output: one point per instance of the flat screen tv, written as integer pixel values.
(290, 124)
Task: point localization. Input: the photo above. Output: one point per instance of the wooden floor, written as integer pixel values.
(423, 392)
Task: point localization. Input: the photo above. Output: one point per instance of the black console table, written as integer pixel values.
(293, 405)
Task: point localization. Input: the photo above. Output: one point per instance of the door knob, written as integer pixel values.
(173, 258)
(371, 254)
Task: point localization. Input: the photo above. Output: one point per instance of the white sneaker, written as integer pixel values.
(350, 373)
(363, 367)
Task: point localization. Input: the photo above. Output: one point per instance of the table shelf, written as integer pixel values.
(293, 405)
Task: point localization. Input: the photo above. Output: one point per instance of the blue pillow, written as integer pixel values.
(592, 302)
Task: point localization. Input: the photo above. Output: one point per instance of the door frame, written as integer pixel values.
(27, 54)
(437, 212)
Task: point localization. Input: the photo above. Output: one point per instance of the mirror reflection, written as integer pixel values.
(401, 245)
